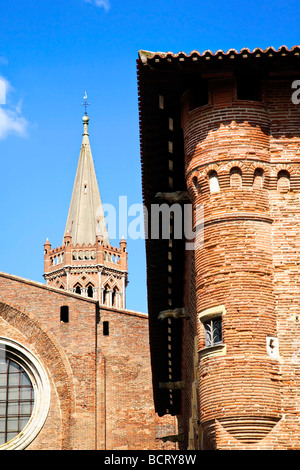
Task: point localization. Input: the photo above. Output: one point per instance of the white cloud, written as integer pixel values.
(11, 120)
(4, 85)
(100, 3)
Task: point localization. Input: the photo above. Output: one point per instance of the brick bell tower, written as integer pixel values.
(86, 263)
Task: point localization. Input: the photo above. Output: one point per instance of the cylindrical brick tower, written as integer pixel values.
(226, 155)
(224, 126)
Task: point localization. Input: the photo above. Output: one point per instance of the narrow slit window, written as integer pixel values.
(105, 328)
(161, 103)
(64, 314)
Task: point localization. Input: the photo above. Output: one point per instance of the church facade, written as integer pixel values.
(75, 368)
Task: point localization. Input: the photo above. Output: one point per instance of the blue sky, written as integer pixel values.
(51, 52)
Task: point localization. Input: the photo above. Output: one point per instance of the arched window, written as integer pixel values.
(258, 178)
(235, 177)
(283, 181)
(78, 289)
(195, 182)
(114, 297)
(17, 399)
(105, 295)
(24, 395)
(214, 182)
(90, 291)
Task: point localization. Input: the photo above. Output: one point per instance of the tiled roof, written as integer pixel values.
(231, 53)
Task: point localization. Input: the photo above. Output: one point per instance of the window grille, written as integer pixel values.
(213, 331)
(16, 399)
(24, 395)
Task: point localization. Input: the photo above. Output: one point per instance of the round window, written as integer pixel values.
(24, 395)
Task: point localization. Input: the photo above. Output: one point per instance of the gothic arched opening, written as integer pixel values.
(90, 291)
(78, 289)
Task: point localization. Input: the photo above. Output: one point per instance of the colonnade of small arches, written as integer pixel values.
(260, 178)
(110, 295)
(57, 259)
(76, 255)
(236, 179)
(83, 255)
(88, 291)
(111, 257)
(90, 255)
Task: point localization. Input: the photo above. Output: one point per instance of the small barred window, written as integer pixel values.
(213, 331)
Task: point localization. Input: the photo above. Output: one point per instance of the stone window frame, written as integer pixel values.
(218, 349)
(213, 331)
(41, 386)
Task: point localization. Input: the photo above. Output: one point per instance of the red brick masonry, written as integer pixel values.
(101, 391)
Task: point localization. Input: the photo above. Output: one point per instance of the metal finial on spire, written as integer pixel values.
(85, 103)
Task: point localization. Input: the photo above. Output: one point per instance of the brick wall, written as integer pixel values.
(101, 389)
(127, 386)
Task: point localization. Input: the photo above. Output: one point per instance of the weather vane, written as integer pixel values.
(85, 104)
